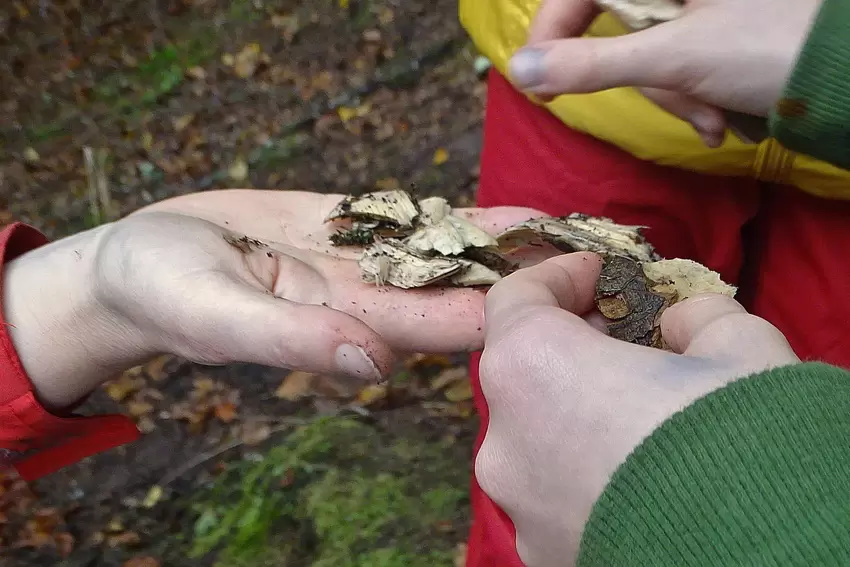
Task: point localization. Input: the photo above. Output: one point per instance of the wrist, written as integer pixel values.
(67, 340)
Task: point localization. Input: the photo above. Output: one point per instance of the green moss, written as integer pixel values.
(350, 497)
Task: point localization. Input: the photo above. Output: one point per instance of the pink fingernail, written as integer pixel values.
(354, 361)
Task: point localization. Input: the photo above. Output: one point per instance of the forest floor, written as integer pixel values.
(244, 465)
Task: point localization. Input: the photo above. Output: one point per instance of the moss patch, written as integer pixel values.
(340, 493)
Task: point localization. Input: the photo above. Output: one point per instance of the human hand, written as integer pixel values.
(568, 404)
(730, 54)
(166, 279)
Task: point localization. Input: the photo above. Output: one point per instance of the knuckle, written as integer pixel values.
(489, 473)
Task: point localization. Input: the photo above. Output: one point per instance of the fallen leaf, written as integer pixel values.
(146, 561)
(372, 35)
(153, 496)
(182, 122)
(30, 155)
(254, 433)
(347, 113)
(458, 392)
(115, 526)
(225, 412)
(449, 376)
(197, 73)
(295, 386)
(459, 555)
(228, 59)
(203, 385)
(139, 408)
(121, 388)
(123, 539)
(441, 156)
(239, 170)
(246, 61)
(370, 395)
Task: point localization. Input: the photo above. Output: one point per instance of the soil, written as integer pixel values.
(186, 95)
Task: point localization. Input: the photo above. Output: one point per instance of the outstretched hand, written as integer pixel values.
(175, 277)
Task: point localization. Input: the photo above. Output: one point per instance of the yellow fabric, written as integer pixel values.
(628, 120)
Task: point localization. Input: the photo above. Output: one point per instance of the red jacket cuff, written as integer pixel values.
(32, 440)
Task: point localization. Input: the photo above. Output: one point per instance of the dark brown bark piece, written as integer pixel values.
(631, 308)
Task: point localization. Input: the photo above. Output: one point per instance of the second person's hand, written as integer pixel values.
(568, 404)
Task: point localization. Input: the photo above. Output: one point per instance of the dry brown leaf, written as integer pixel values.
(123, 539)
(139, 408)
(459, 391)
(371, 395)
(182, 122)
(123, 386)
(203, 385)
(254, 433)
(225, 412)
(295, 386)
(246, 61)
(197, 73)
(450, 376)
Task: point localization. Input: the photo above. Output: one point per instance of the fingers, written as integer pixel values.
(707, 120)
(247, 325)
(583, 65)
(557, 19)
(567, 281)
(717, 326)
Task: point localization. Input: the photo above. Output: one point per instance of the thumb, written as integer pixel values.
(583, 65)
(230, 321)
(716, 326)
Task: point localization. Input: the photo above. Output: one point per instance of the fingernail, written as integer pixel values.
(526, 68)
(354, 361)
(710, 128)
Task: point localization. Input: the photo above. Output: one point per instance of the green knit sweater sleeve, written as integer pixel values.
(757, 473)
(813, 115)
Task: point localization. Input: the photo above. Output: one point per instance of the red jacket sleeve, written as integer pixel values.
(32, 440)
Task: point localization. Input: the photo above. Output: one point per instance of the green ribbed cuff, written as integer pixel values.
(757, 473)
(813, 116)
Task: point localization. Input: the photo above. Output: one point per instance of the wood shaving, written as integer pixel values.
(395, 207)
(642, 14)
(581, 233)
(389, 262)
(437, 248)
(450, 236)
